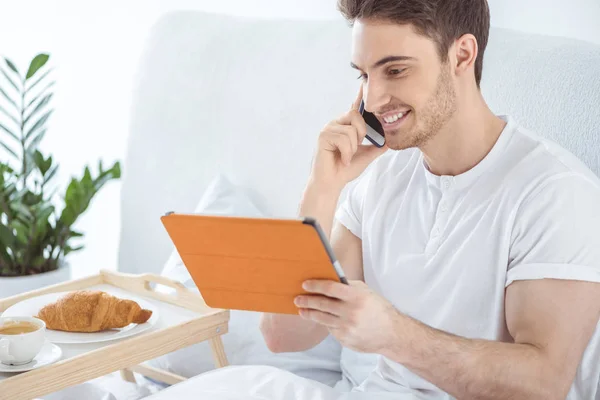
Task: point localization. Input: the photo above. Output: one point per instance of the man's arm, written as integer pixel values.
(551, 322)
(290, 333)
(340, 159)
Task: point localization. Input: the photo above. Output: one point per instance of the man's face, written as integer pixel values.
(405, 84)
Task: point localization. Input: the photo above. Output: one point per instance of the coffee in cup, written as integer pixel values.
(17, 328)
(21, 339)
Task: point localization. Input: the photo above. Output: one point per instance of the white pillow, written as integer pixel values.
(244, 344)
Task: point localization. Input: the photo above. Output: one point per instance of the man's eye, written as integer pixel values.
(395, 71)
(362, 76)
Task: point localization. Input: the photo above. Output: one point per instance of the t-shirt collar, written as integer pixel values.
(447, 182)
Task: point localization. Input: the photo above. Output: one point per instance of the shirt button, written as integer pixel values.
(446, 184)
(436, 232)
(443, 207)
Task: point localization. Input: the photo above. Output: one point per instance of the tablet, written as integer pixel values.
(254, 264)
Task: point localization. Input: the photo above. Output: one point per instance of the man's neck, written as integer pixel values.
(465, 140)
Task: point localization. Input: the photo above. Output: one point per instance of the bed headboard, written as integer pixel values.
(248, 97)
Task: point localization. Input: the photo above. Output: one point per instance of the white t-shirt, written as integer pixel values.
(443, 249)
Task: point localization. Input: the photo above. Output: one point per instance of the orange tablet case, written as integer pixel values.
(255, 264)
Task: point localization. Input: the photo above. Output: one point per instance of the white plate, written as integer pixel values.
(50, 353)
(30, 308)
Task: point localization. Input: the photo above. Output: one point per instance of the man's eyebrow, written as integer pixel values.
(386, 60)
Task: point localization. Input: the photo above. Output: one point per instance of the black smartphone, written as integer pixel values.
(375, 132)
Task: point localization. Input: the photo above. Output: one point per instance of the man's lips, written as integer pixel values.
(391, 116)
(393, 120)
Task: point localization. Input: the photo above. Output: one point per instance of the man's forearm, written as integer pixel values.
(474, 369)
(320, 203)
(291, 333)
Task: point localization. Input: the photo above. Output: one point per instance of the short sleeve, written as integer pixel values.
(350, 212)
(556, 233)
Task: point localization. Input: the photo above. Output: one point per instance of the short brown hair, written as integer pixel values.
(443, 21)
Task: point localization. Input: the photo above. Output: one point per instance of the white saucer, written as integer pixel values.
(31, 307)
(49, 354)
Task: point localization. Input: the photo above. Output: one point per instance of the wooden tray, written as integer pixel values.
(184, 320)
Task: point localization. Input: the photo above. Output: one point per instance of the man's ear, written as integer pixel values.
(465, 50)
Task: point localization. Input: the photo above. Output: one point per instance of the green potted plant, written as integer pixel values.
(36, 221)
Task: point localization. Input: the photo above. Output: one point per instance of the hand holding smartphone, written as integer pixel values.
(375, 132)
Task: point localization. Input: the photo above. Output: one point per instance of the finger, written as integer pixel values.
(320, 317)
(320, 303)
(359, 123)
(345, 119)
(332, 289)
(354, 119)
(356, 283)
(340, 142)
(359, 97)
(348, 130)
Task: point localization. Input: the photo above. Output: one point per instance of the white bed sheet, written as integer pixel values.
(261, 383)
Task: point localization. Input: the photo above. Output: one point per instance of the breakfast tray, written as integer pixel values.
(184, 319)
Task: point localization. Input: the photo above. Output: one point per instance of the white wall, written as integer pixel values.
(95, 47)
(578, 19)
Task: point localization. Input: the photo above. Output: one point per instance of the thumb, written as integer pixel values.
(367, 153)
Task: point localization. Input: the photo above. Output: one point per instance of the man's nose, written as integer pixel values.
(375, 96)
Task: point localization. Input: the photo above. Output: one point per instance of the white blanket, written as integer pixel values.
(262, 383)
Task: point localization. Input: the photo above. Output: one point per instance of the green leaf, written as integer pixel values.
(85, 193)
(7, 97)
(36, 140)
(87, 178)
(41, 78)
(103, 180)
(4, 167)
(74, 203)
(72, 191)
(13, 119)
(38, 261)
(76, 234)
(32, 199)
(68, 249)
(41, 104)
(29, 164)
(12, 83)
(11, 151)
(22, 211)
(11, 65)
(22, 230)
(50, 174)
(42, 216)
(43, 93)
(47, 164)
(7, 237)
(67, 217)
(116, 170)
(39, 123)
(40, 162)
(5, 129)
(108, 175)
(37, 63)
(7, 260)
(10, 189)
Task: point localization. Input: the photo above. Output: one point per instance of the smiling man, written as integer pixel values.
(472, 244)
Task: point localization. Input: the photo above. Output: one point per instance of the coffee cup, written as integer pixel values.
(21, 339)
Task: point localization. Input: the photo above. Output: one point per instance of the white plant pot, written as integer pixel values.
(13, 285)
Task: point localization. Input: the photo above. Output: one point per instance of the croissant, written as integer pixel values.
(91, 311)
